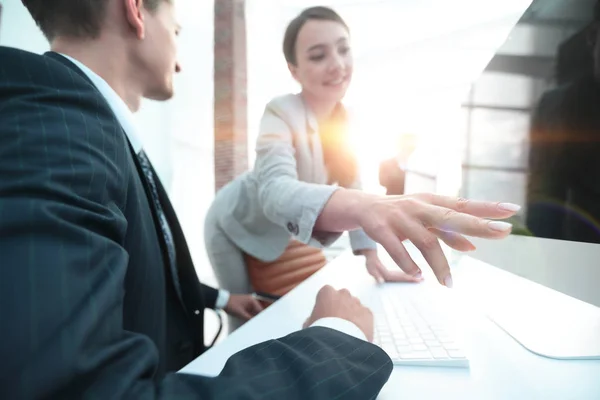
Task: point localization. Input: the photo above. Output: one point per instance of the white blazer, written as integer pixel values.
(285, 192)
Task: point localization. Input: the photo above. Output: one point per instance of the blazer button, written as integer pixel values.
(293, 228)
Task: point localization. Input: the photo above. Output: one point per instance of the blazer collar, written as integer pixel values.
(65, 61)
(311, 120)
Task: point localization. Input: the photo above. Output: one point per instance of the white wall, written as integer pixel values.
(19, 30)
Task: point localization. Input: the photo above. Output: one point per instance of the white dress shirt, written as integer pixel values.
(125, 117)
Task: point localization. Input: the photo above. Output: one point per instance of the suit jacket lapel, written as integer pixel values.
(318, 170)
(186, 273)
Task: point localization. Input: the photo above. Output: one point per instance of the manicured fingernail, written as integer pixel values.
(448, 281)
(499, 226)
(418, 275)
(509, 207)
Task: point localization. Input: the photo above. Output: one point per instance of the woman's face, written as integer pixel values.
(323, 60)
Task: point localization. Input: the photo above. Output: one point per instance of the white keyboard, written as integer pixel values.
(414, 333)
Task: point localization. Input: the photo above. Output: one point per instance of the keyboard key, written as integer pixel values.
(438, 352)
(451, 346)
(414, 336)
(416, 355)
(390, 349)
(404, 349)
(456, 354)
(445, 339)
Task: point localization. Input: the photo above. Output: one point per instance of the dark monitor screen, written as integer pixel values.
(532, 129)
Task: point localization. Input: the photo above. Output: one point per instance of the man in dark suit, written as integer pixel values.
(98, 294)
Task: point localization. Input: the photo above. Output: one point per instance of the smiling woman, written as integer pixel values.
(304, 139)
(304, 189)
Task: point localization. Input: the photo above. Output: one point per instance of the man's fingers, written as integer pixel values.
(324, 291)
(453, 221)
(483, 209)
(430, 247)
(454, 240)
(398, 253)
(243, 314)
(256, 307)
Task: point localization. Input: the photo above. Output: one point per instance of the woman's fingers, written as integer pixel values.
(454, 240)
(449, 220)
(397, 275)
(429, 245)
(375, 273)
(483, 209)
(393, 245)
(424, 219)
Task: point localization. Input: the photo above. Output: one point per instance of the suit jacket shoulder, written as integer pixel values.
(292, 111)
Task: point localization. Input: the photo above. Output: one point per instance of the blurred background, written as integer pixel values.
(451, 83)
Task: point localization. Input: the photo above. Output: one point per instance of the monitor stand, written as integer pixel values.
(544, 321)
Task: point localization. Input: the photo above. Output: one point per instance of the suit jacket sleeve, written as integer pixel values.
(210, 295)
(285, 200)
(317, 363)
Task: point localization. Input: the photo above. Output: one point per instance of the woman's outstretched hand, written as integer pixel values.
(381, 273)
(423, 218)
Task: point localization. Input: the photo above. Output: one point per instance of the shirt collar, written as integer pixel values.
(116, 103)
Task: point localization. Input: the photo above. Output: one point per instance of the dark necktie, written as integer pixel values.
(164, 224)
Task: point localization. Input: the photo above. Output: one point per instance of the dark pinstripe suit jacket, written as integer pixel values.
(87, 307)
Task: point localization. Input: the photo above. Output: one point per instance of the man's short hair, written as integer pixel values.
(72, 18)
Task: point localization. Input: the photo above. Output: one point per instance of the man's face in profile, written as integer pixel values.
(158, 51)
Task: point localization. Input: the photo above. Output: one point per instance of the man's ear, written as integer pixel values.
(135, 16)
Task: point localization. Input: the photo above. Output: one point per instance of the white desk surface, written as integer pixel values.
(500, 367)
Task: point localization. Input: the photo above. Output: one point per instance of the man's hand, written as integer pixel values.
(380, 272)
(341, 304)
(243, 306)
